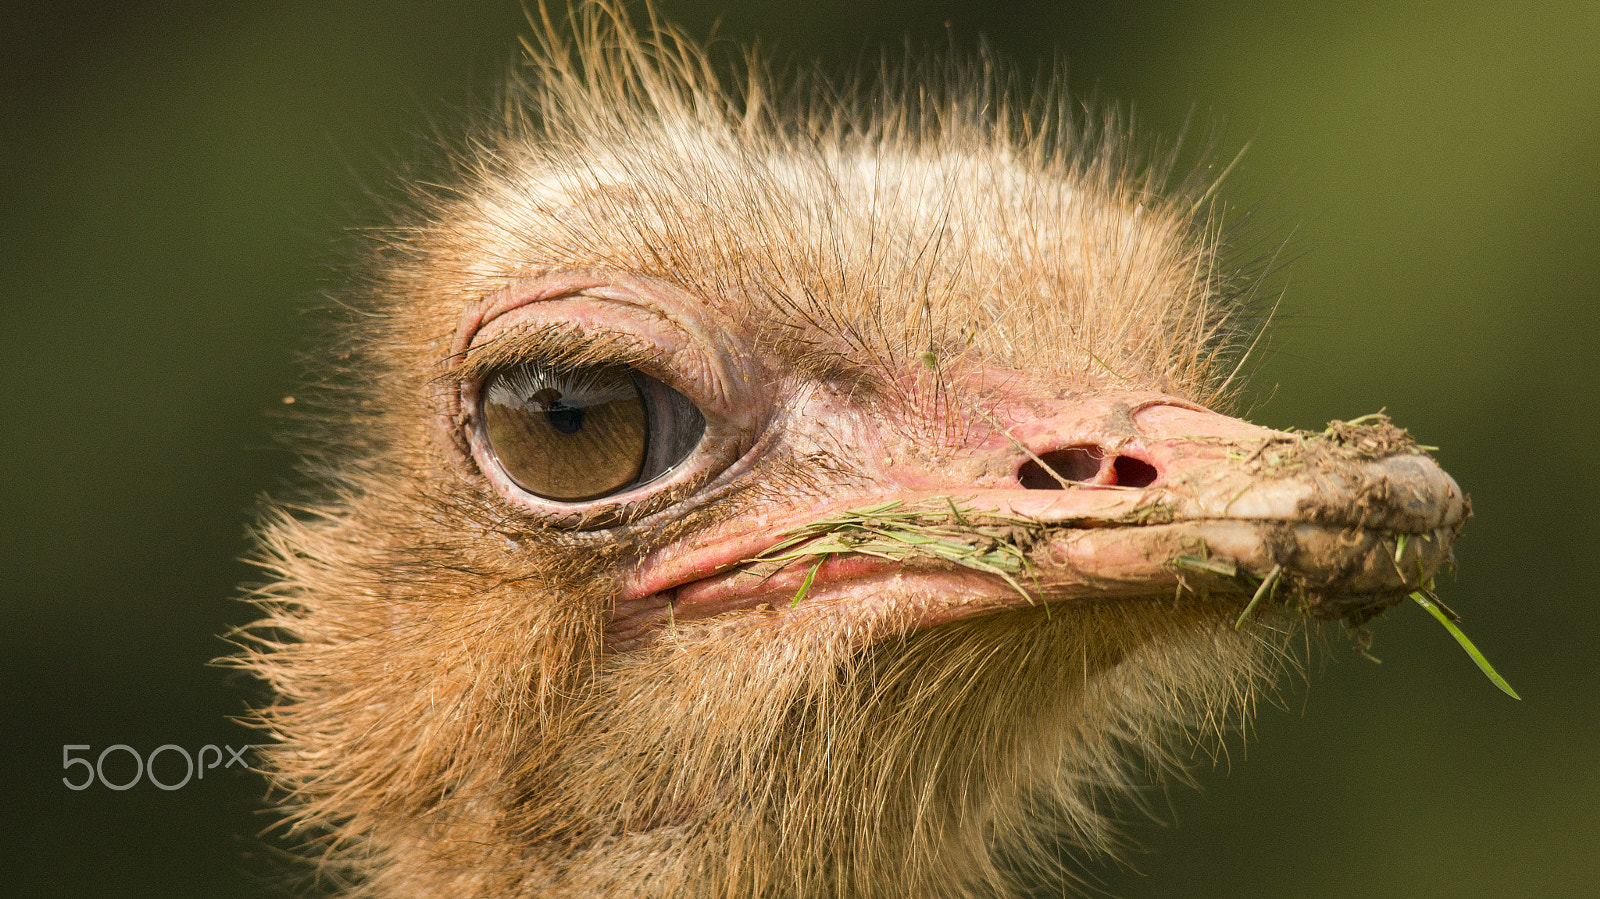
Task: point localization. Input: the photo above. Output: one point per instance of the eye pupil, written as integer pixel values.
(564, 418)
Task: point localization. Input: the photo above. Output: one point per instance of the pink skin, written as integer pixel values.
(1192, 462)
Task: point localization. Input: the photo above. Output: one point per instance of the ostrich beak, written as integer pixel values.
(1131, 495)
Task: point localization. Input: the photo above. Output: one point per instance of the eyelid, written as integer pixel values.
(592, 328)
(559, 346)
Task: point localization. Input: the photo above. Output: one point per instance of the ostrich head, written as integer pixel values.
(737, 493)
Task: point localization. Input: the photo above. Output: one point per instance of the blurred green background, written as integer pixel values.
(175, 175)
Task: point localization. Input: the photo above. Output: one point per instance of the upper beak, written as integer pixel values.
(1132, 495)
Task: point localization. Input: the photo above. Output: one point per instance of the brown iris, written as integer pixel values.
(568, 436)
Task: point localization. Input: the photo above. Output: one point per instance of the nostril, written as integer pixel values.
(1075, 463)
(1131, 472)
(1085, 464)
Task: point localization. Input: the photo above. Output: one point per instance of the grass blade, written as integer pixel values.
(895, 532)
(1210, 566)
(1477, 657)
(805, 585)
(1267, 583)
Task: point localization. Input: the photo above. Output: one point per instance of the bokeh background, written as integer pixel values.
(175, 175)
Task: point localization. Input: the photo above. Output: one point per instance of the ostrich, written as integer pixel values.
(747, 492)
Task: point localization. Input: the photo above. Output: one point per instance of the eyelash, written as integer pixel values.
(560, 348)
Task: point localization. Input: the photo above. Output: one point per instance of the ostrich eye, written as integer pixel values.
(580, 434)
